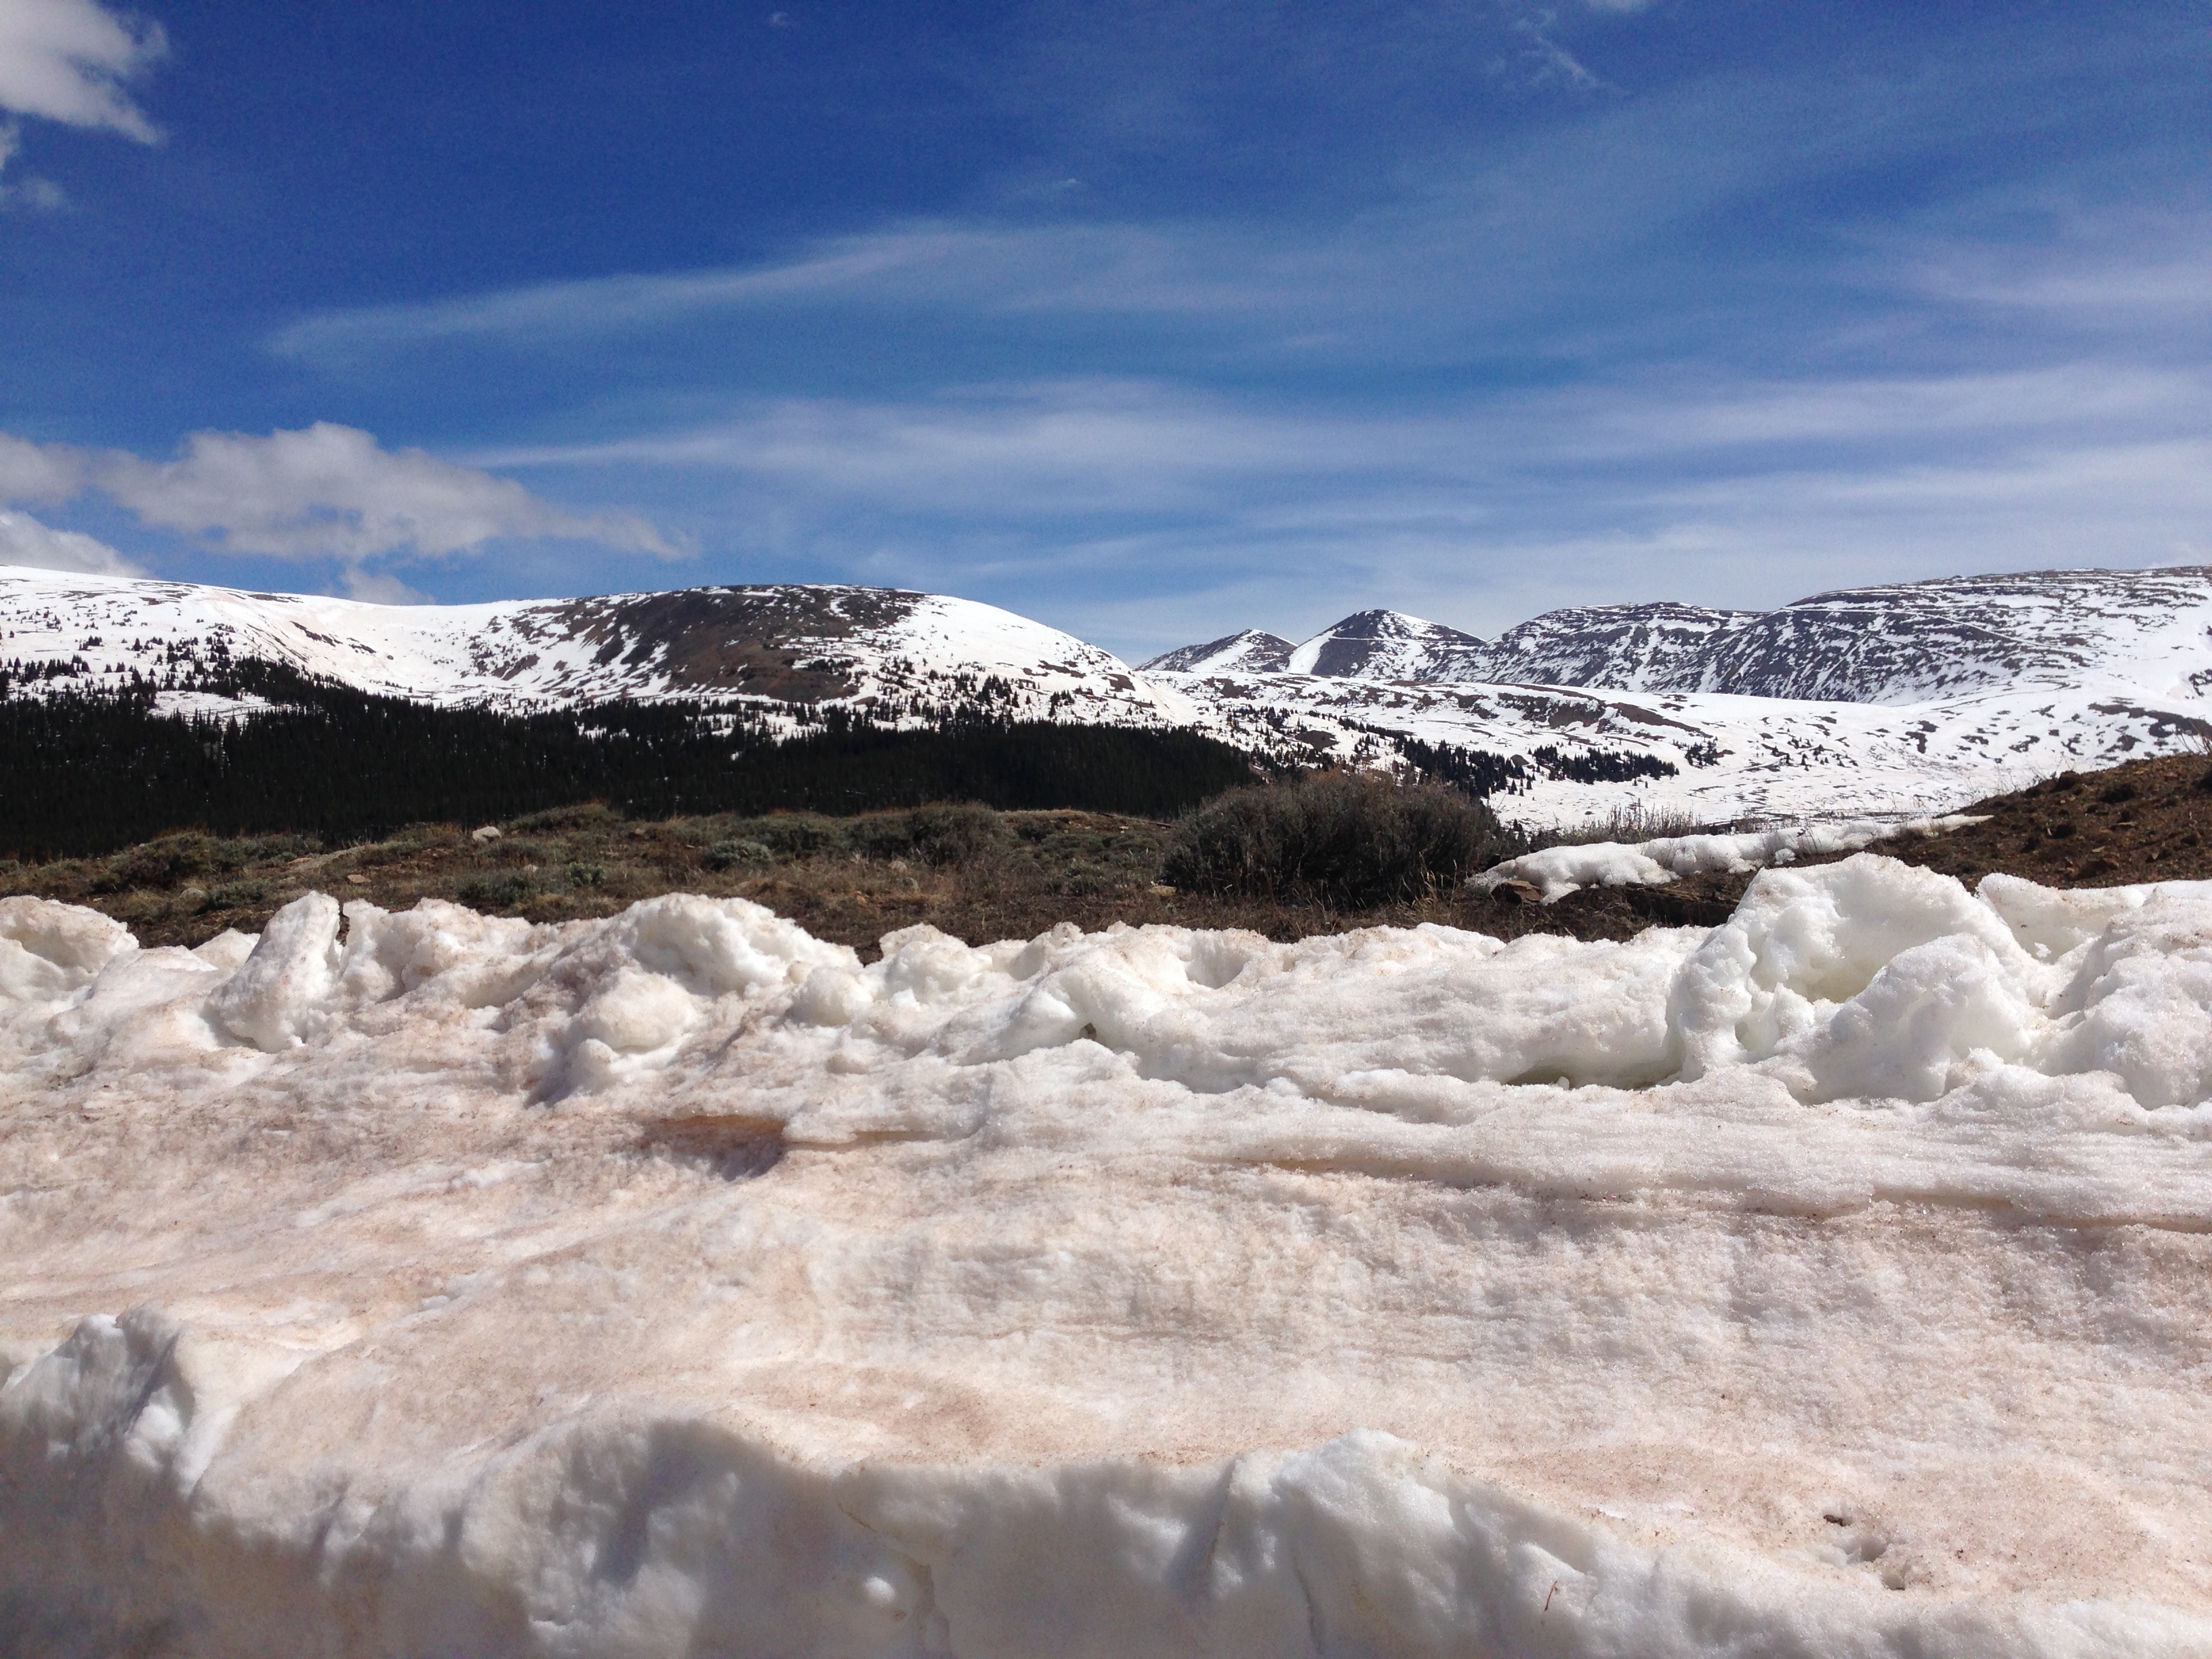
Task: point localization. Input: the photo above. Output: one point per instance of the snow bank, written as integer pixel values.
(1833, 1282)
(1556, 872)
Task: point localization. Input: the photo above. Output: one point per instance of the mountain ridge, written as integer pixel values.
(1893, 644)
(906, 657)
(1902, 700)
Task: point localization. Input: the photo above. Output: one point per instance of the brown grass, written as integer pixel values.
(1016, 879)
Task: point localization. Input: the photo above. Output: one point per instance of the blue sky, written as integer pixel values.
(1149, 320)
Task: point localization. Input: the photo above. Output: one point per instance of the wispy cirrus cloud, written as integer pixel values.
(1513, 245)
(1797, 320)
(1068, 498)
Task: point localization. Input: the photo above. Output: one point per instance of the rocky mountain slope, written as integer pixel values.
(1624, 647)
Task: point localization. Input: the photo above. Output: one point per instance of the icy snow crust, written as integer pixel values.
(1833, 1282)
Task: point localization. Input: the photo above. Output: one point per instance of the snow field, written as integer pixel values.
(1830, 1282)
(1556, 872)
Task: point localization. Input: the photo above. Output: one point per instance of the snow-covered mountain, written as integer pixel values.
(910, 657)
(1906, 643)
(1625, 648)
(1710, 757)
(1900, 644)
(1900, 700)
(1251, 652)
(1387, 645)
(1890, 700)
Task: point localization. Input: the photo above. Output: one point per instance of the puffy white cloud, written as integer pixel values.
(24, 540)
(332, 491)
(327, 491)
(67, 60)
(38, 472)
(382, 587)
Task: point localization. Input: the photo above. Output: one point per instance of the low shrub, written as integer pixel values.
(586, 815)
(735, 853)
(1337, 838)
(496, 895)
(790, 834)
(236, 896)
(161, 863)
(944, 833)
(1636, 822)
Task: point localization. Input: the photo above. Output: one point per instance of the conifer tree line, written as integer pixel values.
(88, 771)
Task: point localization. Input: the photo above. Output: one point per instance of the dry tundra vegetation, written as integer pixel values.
(1318, 855)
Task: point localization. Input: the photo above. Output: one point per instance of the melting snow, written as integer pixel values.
(1837, 1280)
(1556, 872)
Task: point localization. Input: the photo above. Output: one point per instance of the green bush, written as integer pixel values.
(959, 832)
(790, 834)
(237, 896)
(1337, 838)
(729, 854)
(943, 832)
(496, 895)
(161, 863)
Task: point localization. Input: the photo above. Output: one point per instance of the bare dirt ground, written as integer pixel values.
(1015, 874)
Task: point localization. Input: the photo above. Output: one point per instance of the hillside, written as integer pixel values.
(913, 657)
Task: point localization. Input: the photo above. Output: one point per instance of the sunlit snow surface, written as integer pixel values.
(1836, 1281)
(1556, 872)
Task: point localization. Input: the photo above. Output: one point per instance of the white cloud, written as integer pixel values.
(24, 540)
(1544, 60)
(999, 451)
(332, 491)
(327, 491)
(1116, 508)
(1008, 452)
(381, 588)
(66, 60)
(2112, 272)
(38, 472)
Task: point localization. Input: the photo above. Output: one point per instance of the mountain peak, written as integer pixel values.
(1386, 644)
(1249, 651)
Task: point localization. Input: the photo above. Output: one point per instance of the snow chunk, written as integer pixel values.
(280, 996)
(48, 950)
